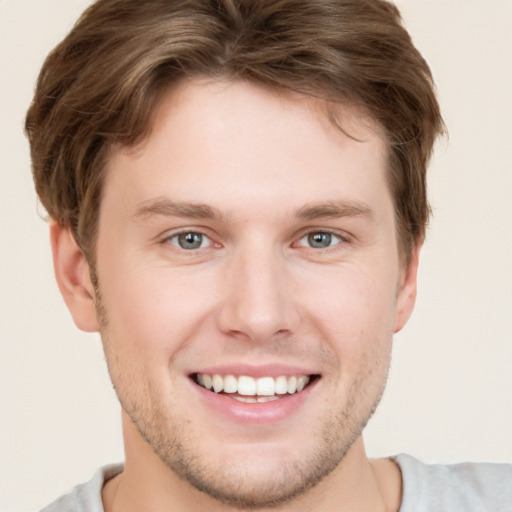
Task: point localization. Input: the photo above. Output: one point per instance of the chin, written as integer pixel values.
(257, 484)
(256, 475)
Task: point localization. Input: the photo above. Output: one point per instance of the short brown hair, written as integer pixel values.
(100, 85)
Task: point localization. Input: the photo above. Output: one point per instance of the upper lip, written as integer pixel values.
(267, 370)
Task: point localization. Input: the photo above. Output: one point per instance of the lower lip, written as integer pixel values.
(255, 413)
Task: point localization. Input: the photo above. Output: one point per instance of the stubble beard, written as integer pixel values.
(236, 486)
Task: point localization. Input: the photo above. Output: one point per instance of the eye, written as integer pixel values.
(319, 240)
(189, 240)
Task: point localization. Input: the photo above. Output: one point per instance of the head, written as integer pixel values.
(296, 85)
(100, 86)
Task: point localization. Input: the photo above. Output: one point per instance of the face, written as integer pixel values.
(249, 245)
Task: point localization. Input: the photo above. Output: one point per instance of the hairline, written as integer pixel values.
(328, 108)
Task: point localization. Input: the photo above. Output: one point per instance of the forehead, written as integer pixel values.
(216, 141)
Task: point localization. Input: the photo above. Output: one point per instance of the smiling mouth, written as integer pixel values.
(254, 390)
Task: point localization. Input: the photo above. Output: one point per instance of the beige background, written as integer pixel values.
(449, 397)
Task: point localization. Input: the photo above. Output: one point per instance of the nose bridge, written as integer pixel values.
(258, 299)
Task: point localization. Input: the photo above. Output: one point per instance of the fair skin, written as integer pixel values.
(247, 236)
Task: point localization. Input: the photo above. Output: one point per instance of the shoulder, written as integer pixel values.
(468, 487)
(85, 497)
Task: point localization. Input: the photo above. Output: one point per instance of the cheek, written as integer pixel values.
(150, 320)
(154, 307)
(355, 313)
(355, 300)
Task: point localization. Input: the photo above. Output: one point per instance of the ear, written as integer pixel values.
(406, 297)
(73, 278)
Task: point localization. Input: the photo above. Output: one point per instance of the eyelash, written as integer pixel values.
(339, 239)
(322, 233)
(175, 236)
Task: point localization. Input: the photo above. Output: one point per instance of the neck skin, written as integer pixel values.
(357, 484)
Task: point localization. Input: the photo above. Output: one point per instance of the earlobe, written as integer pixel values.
(406, 297)
(73, 278)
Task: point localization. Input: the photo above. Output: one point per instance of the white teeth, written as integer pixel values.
(230, 384)
(281, 385)
(301, 383)
(246, 386)
(292, 385)
(207, 381)
(253, 399)
(262, 399)
(245, 399)
(265, 388)
(218, 383)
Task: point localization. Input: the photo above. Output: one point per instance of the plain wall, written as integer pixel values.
(449, 394)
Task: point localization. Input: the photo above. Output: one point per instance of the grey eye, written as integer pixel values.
(319, 240)
(189, 240)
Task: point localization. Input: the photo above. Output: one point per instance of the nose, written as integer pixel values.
(258, 301)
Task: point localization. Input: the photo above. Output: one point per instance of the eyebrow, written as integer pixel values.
(330, 209)
(335, 210)
(167, 208)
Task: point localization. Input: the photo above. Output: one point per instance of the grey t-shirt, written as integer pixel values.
(467, 487)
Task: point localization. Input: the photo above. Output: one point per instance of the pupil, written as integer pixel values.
(190, 240)
(319, 240)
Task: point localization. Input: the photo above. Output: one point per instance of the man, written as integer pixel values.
(238, 199)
